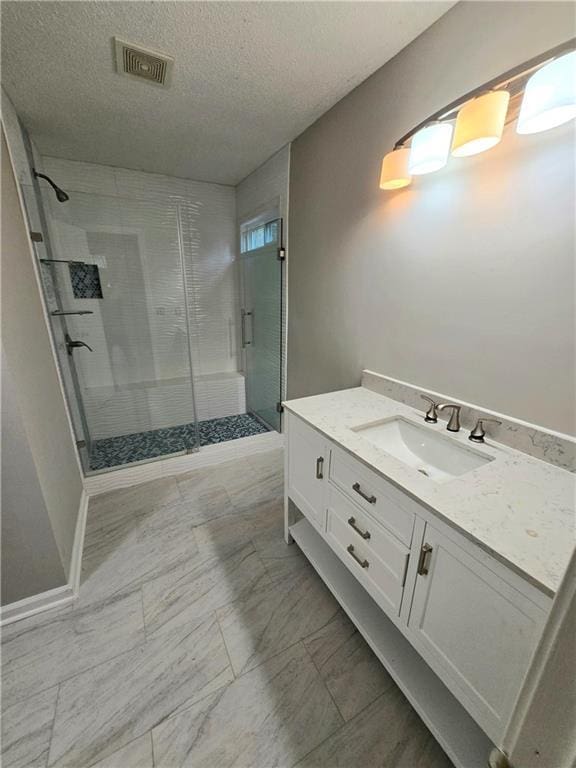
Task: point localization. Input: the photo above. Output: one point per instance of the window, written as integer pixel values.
(259, 236)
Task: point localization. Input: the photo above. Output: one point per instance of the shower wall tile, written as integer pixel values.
(74, 176)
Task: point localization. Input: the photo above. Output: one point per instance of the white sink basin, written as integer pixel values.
(437, 456)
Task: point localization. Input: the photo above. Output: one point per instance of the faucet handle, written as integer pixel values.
(431, 413)
(477, 434)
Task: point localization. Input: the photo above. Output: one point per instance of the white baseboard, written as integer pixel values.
(75, 571)
(60, 596)
(207, 456)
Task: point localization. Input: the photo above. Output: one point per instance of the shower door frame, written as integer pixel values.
(44, 237)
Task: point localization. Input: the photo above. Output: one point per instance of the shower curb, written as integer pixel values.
(205, 457)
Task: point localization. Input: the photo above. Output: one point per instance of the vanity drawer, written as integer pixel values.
(373, 494)
(378, 562)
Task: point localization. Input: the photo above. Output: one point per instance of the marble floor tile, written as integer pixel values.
(262, 524)
(265, 523)
(130, 552)
(266, 719)
(136, 754)
(26, 730)
(223, 533)
(105, 708)
(387, 734)
(349, 668)
(251, 480)
(36, 656)
(204, 494)
(202, 584)
(106, 508)
(273, 617)
(268, 461)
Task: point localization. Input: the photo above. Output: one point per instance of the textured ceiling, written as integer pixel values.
(248, 76)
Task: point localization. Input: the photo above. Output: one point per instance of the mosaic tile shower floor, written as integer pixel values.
(114, 451)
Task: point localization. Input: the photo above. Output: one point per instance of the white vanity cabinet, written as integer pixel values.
(308, 461)
(474, 623)
(472, 620)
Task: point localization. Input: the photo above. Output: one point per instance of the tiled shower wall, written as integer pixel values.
(135, 226)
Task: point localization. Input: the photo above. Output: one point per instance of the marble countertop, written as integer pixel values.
(520, 509)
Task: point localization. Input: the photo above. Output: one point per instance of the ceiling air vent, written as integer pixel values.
(142, 63)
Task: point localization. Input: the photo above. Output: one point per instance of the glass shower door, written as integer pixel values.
(120, 276)
(261, 318)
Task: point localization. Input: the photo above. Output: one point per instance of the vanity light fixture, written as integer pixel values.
(480, 123)
(547, 85)
(395, 174)
(550, 96)
(430, 149)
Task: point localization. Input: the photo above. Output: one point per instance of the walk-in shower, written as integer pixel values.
(168, 340)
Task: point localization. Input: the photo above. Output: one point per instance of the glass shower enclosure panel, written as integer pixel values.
(261, 322)
(118, 272)
(45, 256)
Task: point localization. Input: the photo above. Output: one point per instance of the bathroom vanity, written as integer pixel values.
(446, 555)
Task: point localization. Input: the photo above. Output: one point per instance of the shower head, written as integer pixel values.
(60, 194)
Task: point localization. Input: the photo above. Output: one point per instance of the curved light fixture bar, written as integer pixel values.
(514, 80)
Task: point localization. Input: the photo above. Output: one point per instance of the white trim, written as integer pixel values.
(208, 455)
(53, 598)
(78, 546)
(59, 596)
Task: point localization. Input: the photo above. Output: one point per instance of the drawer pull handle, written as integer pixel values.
(361, 563)
(360, 492)
(352, 523)
(424, 560)
(320, 468)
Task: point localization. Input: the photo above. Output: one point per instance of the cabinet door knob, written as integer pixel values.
(320, 468)
(365, 496)
(424, 560)
(359, 531)
(361, 563)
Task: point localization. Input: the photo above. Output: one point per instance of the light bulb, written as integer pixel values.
(430, 148)
(394, 173)
(480, 123)
(550, 96)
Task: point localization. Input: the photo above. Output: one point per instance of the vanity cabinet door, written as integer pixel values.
(473, 627)
(307, 470)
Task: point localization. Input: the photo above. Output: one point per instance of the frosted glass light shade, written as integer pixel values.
(395, 173)
(430, 148)
(480, 123)
(550, 96)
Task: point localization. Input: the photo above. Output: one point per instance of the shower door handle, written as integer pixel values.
(243, 316)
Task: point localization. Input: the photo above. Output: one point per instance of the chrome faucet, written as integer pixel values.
(431, 413)
(477, 435)
(454, 422)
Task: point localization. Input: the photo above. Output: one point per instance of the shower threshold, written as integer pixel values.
(142, 446)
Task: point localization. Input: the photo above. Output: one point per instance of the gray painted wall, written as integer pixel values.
(29, 359)
(464, 282)
(30, 560)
